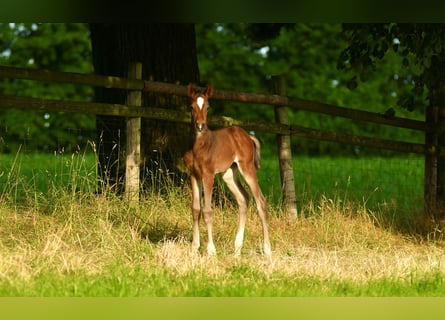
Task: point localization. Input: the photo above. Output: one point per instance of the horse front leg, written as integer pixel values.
(207, 183)
(196, 211)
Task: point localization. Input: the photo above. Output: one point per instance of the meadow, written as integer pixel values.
(357, 234)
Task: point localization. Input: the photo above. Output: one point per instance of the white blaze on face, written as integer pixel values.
(200, 102)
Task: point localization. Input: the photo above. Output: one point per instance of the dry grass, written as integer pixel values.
(91, 234)
(330, 244)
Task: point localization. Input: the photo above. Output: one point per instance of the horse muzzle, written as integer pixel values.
(199, 127)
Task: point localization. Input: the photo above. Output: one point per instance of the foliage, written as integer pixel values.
(53, 46)
(240, 57)
(419, 47)
(302, 53)
(383, 68)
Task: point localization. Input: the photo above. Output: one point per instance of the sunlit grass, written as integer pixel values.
(393, 186)
(28, 177)
(99, 247)
(60, 238)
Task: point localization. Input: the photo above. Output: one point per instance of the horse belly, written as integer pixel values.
(223, 162)
(220, 157)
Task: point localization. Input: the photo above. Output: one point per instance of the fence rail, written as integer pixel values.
(430, 128)
(8, 101)
(167, 88)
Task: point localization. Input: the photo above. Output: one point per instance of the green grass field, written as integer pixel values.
(355, 235)
(375, 182)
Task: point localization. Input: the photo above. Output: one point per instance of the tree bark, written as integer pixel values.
(168, 54)
(440, 201)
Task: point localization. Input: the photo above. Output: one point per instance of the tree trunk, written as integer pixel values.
(440, 201)
(435, 164)
(167, 53)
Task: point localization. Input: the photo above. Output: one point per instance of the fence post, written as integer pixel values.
(284, 151)
(430, 176)
(434, 192)
(133, 144)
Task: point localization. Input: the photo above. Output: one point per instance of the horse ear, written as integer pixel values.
(209, 90)
(190, 89)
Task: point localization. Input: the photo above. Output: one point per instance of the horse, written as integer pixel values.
(225, 151)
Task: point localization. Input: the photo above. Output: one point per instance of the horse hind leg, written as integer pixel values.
(242, 198)
(249, 174)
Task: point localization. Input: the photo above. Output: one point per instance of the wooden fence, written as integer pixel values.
(282, 103)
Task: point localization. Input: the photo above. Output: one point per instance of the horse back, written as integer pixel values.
(244, 145)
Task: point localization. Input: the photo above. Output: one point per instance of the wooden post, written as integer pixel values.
(133, 145)
(430, 176)
(434, 194)
(284, 151)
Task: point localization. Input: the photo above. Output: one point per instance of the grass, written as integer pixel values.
(59, 238)
(396, 182)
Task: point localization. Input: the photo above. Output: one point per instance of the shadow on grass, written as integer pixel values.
(162, 233)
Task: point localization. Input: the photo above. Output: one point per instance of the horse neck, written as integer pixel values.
(204, 138)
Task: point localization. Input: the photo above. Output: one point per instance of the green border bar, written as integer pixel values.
(221, 308)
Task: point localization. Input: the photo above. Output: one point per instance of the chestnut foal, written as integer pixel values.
(225, 151)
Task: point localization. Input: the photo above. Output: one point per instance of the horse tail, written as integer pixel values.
(257, 151)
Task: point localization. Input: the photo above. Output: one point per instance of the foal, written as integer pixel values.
(223, 151)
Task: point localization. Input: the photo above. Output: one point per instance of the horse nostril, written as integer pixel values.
(199, 127)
